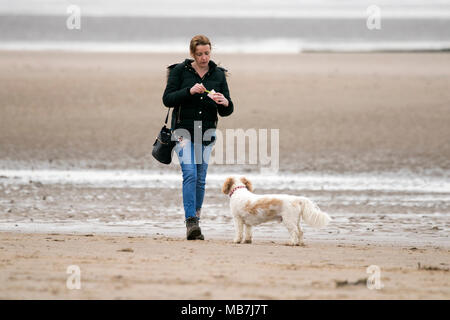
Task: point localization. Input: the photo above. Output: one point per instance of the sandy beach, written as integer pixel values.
(335, 112)
(363, 135)
(33, 266)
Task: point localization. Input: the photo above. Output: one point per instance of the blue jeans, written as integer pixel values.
(194, 160)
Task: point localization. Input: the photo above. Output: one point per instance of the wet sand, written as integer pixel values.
(336, 112)
(360, 217)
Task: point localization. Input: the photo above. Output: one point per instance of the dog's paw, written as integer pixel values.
(295, 244)
(247, 241)
(237, 240)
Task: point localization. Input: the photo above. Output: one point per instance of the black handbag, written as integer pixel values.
(163, 145)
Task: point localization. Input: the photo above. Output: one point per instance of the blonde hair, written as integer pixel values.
(199, 40)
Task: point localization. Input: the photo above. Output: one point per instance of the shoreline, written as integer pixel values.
(145, 49)
(412, 210)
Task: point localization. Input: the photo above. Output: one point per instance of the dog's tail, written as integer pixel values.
(312, 215)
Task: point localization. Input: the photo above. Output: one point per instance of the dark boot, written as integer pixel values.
(193, 231)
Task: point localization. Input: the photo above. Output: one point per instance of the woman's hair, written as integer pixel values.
(198, 40)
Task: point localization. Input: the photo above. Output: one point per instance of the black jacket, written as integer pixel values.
(198, 107)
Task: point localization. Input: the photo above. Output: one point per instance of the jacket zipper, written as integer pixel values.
(179, 109)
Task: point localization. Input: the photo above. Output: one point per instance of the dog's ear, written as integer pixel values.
(247, 184)
(227, 185)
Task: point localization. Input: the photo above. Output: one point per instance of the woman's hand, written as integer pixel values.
(220, 99)
(197, 88)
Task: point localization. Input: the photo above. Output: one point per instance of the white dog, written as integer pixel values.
(249, 209)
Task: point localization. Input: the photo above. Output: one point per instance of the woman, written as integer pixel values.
(194, 120)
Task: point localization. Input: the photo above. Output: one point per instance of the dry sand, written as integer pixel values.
(33, 266)
(339, 113)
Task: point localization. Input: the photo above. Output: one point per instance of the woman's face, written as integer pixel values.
(202, 55)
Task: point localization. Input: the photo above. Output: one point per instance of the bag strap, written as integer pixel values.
(168, 71)
(167, 116)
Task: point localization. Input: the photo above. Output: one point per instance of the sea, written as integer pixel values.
(233, 26)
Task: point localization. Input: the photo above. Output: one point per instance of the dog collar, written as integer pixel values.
(235, 188)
